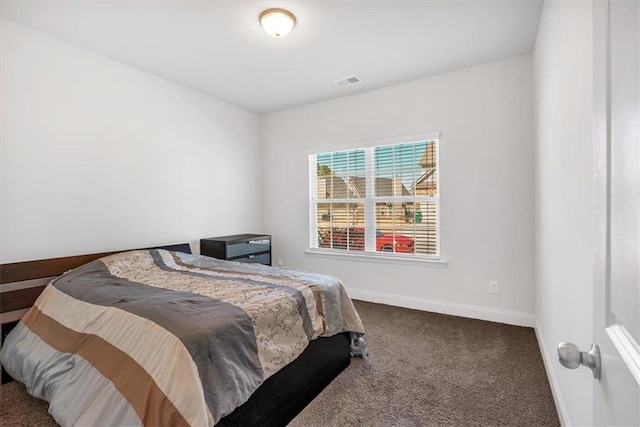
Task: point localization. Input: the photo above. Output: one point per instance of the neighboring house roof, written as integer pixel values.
(428, 159)
(339, 187)
(426, 175)
(384, 186)
(335, 187)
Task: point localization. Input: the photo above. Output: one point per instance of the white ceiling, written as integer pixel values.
(219, 48)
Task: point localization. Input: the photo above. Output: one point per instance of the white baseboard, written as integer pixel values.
(442, 307)
(548, 360)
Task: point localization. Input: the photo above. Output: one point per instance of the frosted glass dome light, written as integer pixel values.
(277, 22)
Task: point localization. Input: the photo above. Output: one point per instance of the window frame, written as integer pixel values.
(369, 252)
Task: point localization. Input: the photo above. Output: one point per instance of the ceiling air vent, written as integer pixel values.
(348, 81)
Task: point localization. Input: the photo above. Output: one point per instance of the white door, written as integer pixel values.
(617, 191)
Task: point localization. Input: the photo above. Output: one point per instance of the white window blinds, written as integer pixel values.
(383, 198)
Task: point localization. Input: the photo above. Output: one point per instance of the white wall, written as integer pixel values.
(485, 118)
(564, 197)
(100, 156)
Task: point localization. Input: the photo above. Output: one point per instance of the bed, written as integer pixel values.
(165, 337)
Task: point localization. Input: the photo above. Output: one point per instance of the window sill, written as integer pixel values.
(378, 257)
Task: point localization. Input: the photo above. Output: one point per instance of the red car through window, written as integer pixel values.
(352, 238)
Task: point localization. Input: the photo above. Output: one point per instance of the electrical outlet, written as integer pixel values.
(280, 263)
(494, 287)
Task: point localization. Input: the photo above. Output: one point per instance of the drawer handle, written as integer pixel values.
(251, 256)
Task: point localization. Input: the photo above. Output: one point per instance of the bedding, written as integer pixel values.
(160, 337)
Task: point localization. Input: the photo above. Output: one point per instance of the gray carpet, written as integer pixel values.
(430, 369)
(425, 369)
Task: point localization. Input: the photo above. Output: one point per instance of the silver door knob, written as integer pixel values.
(571, 357)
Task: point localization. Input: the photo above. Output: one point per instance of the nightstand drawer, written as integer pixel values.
(258, 259)
(251, 248)
(247, 248)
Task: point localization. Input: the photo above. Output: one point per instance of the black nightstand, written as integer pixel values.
(251, 248)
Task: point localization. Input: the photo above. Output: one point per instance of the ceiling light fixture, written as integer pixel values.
(277, 22)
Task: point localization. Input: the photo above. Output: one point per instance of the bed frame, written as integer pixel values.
(275, 403)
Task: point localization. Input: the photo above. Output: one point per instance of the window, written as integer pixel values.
(382, 198)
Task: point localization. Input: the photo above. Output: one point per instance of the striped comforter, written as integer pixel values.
(166, 338)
